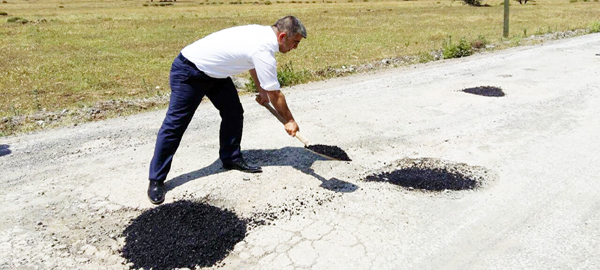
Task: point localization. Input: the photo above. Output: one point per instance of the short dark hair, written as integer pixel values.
(291, 25)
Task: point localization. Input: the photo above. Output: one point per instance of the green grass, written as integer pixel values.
(287, 76)
(76, 53)
(17, 20)
(594, 27)
(461, 49)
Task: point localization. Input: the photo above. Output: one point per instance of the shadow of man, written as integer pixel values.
(4, 150)
(296, 157)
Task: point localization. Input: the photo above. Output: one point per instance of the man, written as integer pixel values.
(204, 68)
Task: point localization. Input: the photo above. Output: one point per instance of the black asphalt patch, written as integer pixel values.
(488, 91)
(330, 151)
(182, 234)
(430, 174)
(426, 179)
(4, 150)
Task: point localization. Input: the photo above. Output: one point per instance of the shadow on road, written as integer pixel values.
(4, 150)
(296, 157)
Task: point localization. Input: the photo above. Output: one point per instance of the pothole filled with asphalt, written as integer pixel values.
(428, 174)
(488, 91)
(183, 234)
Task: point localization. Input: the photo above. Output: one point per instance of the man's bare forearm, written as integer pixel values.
(277, 98)
(279, 103)
(263, 97)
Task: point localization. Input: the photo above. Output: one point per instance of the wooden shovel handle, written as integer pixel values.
(280, 118)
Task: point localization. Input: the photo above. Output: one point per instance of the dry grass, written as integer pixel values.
(76, 53)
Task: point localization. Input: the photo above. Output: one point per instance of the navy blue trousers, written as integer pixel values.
(188, 86)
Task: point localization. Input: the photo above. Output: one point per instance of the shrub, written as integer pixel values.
(475, 3)
(17, 20)
(268, 3)
(250, 85)
(425, 57)
(286, 77)
(479, 43)
(595, 27)
(462, 49)
(2, 13)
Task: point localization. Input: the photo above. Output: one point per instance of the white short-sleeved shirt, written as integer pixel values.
(235, 50)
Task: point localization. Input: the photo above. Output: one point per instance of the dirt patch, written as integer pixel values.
(101, 110)
(272, 213)
(487, 91)
(431, 175)
(182, 234)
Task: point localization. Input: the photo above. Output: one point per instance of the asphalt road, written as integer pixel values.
(536, 151)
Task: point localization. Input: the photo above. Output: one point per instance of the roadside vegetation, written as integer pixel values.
(65, 62)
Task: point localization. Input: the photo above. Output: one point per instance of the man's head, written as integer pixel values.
(289, 33)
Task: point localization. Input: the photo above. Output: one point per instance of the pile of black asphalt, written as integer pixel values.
(330, 151)
(432, 179)
(488, 91)
(182, 234)
(4, 150)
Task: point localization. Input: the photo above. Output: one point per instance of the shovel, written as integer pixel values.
(304, 140)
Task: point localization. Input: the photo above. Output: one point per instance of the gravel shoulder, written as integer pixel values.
(69, 193)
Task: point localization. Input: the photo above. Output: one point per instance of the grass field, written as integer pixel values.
(72, 54)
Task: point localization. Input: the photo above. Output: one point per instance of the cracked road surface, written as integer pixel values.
(67, 194)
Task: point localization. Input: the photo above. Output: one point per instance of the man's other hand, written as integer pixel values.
(291, 128)
(262, 97)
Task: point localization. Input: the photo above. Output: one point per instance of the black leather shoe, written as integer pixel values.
(241, 165)
(156, 192)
